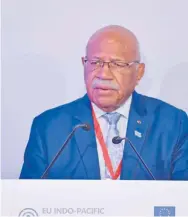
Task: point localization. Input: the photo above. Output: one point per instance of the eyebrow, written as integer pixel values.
(95, 57)
(117, 59)
(114, 59)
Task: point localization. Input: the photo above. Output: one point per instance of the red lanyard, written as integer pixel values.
(106, 156)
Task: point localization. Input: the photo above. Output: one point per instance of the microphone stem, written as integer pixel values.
(141, 159)
(58, 153)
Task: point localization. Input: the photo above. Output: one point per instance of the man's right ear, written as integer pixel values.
(83, 60)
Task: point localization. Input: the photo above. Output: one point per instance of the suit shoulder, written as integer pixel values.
(158, 105)
(53, 113)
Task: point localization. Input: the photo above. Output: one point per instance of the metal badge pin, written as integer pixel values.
(138, 134)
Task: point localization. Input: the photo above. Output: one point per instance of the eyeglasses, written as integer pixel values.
(114, 65)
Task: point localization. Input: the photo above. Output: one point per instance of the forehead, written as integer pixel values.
(111, 46)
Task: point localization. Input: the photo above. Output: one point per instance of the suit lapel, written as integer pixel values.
(137, 129)
(86, 139)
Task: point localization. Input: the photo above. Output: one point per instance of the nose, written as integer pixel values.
(104, 72)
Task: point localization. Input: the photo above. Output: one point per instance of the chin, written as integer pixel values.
(105, 102)
(105, 99)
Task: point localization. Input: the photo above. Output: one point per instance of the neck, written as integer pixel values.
(109, 109)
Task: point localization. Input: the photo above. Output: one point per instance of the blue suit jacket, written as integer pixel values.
(163, 145)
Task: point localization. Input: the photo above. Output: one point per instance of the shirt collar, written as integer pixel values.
(123, 109)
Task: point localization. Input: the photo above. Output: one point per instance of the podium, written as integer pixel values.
(94, 198)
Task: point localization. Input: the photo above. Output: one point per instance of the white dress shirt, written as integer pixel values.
(121, 126)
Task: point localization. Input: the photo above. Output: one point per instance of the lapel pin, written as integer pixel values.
(138, 134)
(139, 122)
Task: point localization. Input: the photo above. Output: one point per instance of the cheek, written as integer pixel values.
(126, 82)
(88, 77)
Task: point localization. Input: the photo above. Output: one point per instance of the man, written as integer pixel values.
(111, 107)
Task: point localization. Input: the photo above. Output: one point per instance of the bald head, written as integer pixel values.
(119, 35)
(112, 66)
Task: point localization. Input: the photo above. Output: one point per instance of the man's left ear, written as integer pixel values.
(140, 71)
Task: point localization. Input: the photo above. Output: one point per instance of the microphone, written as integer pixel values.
(85, 127)
(117, 140)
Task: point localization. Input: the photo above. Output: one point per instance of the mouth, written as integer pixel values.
(104, 91)
(103, 88)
